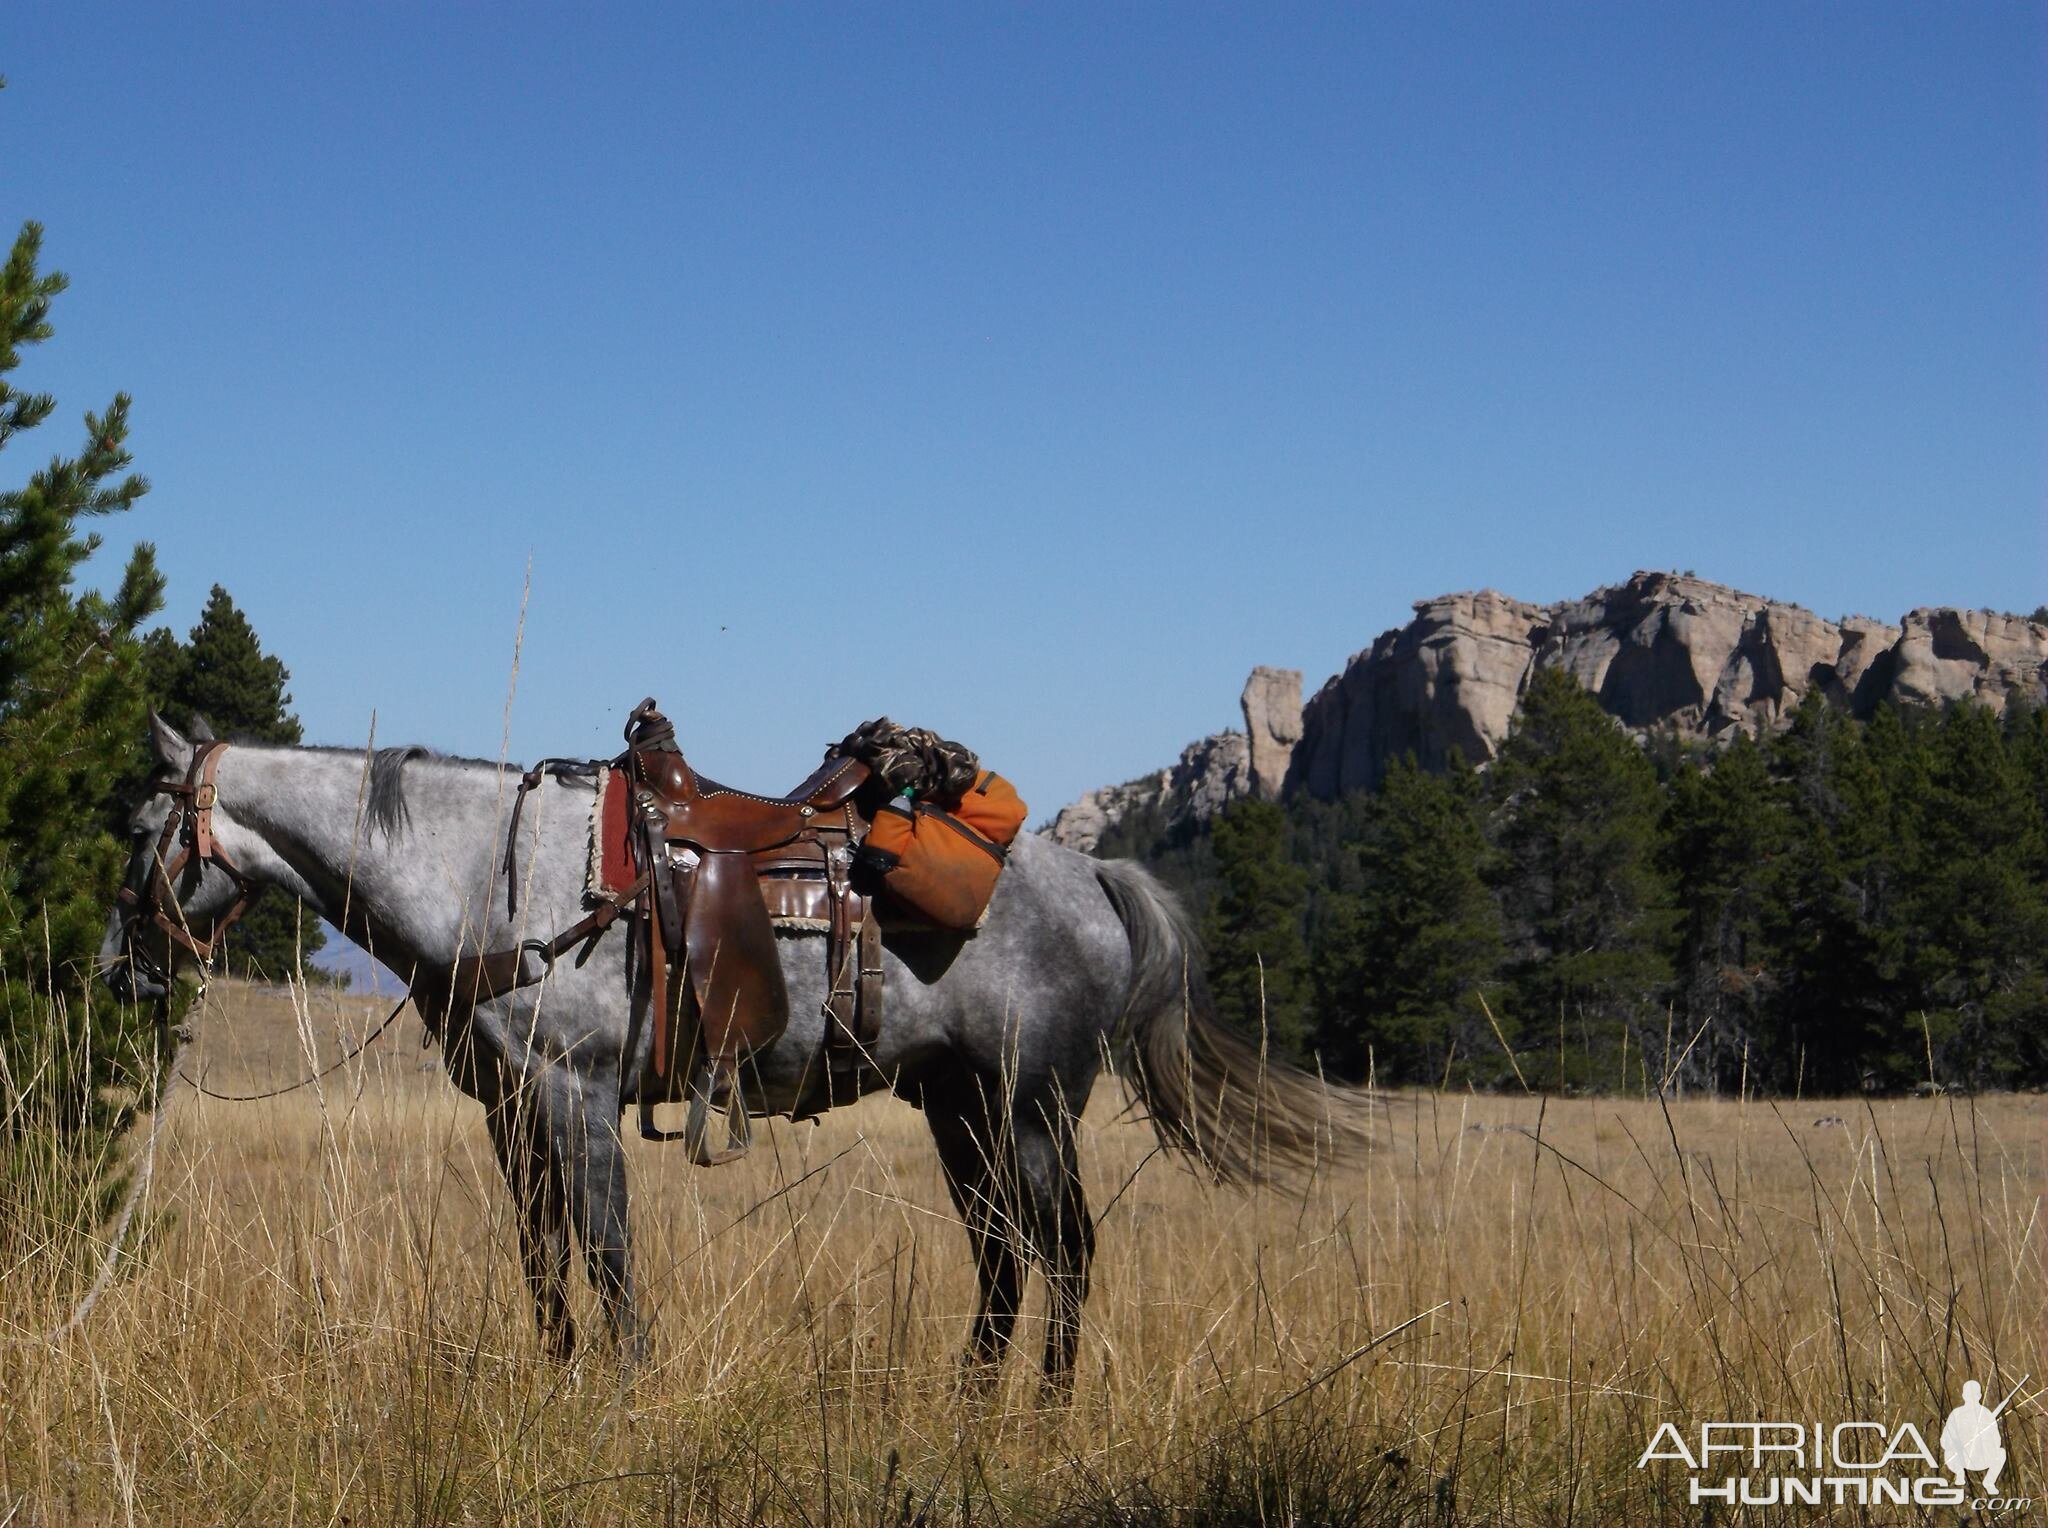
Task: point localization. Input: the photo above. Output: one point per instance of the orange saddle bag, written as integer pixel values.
(941, 863)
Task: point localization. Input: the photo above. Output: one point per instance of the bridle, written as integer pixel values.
(188, 826)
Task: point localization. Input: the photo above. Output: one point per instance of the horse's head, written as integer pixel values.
(182, 889)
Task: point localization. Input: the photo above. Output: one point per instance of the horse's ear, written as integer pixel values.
(201, 732)
(171, 750)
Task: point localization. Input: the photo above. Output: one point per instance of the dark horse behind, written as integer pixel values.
(997, 1036)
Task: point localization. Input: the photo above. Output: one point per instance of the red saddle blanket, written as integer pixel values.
(611, 857)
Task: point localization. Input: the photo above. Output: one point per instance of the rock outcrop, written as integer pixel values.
(1662, 651)
(1946, 654)
(1211, 774)
(1668, 651)
(1272, 724)
(1448, 679)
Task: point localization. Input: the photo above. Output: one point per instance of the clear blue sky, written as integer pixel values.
(1038, 370)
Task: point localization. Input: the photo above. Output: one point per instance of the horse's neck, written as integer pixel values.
(415, 893)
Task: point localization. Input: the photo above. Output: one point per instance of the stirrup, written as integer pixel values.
(703, 1099)
(739, 1128)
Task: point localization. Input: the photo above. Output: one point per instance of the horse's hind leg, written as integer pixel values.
(520, 1139)
(1059, 1230)
(963, 1123)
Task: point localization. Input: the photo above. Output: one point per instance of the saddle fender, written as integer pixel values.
(735, 971)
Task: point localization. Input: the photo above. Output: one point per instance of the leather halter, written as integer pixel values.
(189, 825)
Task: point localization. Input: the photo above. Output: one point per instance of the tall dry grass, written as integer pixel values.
(327, 1323)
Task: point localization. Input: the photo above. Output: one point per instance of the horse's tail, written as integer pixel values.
(1210, 1093)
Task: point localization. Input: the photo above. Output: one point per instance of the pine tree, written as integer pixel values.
(1257, 963)
(1726, 835)
(221, 672)
(1834, 912)
(1584, 900)
(2026, 741)
(1411, 935)
(72, 718)
(1973, 910)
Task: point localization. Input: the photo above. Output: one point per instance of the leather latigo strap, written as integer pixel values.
(479, 978)
(869, 988)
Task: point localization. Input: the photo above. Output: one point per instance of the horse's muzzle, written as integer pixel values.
(132, 982)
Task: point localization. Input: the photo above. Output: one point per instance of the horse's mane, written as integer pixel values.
(387, 810)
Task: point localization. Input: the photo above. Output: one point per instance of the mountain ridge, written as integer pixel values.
(1660, 651)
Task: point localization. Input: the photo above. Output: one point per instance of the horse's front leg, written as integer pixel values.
(521, 1139)
(593, 1160)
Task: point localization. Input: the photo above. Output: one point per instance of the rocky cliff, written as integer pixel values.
(1661, 651)
(1211, 773)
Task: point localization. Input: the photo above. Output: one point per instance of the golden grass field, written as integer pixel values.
(327, 1324)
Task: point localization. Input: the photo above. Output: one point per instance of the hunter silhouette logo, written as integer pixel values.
(1858, 1463)
(1969, 1439)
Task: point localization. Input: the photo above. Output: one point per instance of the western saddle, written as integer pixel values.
(715, 872)
(726, 867)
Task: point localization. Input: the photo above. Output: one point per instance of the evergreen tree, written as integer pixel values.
(1726, 836)
(1411, 934)
(1257, 963)
(1584, 900)
(72, 717)
(1838, 907)
(1179, 854)
(1834, 917)
(2026, 742)
(221, 672)
(1973, 909)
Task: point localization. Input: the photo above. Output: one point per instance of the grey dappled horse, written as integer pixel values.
(997, 1036)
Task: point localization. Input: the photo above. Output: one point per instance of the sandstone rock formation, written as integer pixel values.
(1661, 651)
(1272, 723)
(1211, 774)
(1448, 679)
(1946, 654)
